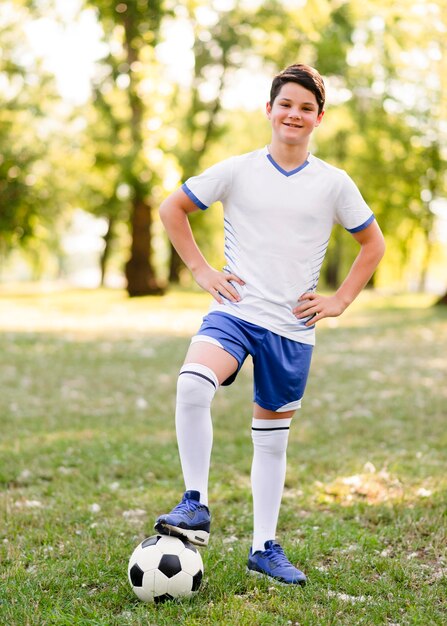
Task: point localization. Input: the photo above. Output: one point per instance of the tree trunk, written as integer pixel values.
(442, 300)
(333, 263)
(108, 237)
(428, 236)
(140, 275)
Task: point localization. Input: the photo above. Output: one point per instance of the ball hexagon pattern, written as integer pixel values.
(163, 567)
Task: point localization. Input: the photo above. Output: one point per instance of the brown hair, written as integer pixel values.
(304, 75)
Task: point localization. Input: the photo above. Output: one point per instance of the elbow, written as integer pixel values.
(163, 211)
(168, 212)
(382, 248)
(377, 246)
(378, 253)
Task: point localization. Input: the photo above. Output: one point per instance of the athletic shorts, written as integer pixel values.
(280, 365)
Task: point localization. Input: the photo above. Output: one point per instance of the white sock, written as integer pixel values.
(196, 387)
(268, 473)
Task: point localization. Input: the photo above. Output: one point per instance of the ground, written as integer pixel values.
(88, 459)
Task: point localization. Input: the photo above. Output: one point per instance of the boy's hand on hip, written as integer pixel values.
(317, 306)
(218, 284)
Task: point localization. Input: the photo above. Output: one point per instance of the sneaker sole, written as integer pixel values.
(197, 537)
(277, 581)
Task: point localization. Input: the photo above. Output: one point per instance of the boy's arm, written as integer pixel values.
(174, 215)
(372, 249)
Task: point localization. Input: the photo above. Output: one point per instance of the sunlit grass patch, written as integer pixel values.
(99, 312)
(88, 459)
(370, 486)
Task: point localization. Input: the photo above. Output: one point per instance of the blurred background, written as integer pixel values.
(107, 106)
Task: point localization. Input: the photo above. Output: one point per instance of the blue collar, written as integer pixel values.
(283, 171)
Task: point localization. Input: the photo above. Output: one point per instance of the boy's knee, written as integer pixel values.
(271, 436)
(196, 385)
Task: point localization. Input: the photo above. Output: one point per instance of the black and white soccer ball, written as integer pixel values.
(163, 567)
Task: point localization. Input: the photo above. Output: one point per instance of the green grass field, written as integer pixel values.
(88, 459)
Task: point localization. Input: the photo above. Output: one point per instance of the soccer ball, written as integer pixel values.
(163, 567)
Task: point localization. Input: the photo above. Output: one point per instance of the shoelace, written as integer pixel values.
(186, 505)
(276, 554)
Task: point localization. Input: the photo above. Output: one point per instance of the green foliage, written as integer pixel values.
(383, 134)
(41, 170)
(147, 128)
(120, 111)
(26, 97)
(332, 47)
(122, 114)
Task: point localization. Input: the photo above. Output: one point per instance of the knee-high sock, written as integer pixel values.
(196, 387)
(268, 475)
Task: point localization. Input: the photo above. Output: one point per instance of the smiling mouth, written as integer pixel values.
(292, 125)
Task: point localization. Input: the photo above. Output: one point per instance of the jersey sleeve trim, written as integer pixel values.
(362, 226)
(193, 197)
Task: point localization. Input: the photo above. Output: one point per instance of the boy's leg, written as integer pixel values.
(206, 366)
(281, 367)
(270, 433)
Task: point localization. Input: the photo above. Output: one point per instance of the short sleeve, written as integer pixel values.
(210, 186)
(352, 212)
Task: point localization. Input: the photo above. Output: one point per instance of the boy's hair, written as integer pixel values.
(304, 75)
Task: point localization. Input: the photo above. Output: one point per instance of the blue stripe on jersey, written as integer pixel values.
(316, 276)
(283, 171)
(228, 255)
(228, 269)
(229, 228)
(231, 246)
(230, 237)
(321, 246)
(315, 265)
(362, 226)
(320, 258)
(194, 198)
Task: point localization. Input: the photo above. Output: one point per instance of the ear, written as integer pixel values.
(268, 109)
(319, 118)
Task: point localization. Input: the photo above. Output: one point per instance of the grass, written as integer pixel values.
(88, 458)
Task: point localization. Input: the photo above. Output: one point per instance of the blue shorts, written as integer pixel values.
(280, 365)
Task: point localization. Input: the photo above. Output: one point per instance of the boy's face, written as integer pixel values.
(294, 114)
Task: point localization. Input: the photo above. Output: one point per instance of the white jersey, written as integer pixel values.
(277, 229)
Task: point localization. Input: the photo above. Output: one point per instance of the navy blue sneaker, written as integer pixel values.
(274, 563)
(189, 519)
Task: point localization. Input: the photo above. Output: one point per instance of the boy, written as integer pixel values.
(280, 204)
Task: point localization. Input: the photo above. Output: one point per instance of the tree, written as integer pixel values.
(30, 176)
(134, 27)
(387, 137)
